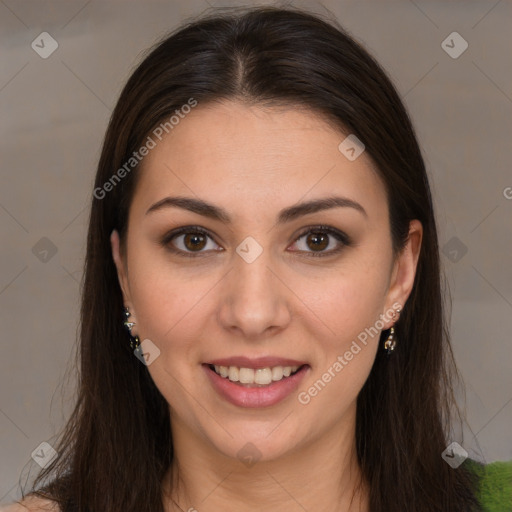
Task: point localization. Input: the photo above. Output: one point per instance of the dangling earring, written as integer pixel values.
(390, 343)
(134, 340)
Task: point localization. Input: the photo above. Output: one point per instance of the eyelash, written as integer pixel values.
(338, 235)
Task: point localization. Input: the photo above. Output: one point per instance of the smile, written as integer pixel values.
(251, 376)
(264, 386)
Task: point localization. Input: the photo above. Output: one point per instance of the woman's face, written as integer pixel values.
(261, 286)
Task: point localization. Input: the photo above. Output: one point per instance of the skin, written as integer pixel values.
(253, 162)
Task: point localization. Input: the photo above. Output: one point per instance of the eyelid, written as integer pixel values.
(168, 237)
(339, 235)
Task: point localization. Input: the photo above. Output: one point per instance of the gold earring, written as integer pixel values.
(134, 340)
(390, 343)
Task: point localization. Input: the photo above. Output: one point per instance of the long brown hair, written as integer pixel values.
(117, 445)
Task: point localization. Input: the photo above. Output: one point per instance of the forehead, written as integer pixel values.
(249, 156)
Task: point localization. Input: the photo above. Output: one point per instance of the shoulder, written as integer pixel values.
(31, 504)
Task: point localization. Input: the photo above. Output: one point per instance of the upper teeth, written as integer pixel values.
(252, 376)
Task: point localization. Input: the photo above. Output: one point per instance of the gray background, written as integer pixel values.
(54, 113)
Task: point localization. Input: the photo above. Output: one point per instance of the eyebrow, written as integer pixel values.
(286, 215)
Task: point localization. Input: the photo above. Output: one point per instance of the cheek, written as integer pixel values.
(347, 309)
(346, 345)
(168, 303)
(347, 301)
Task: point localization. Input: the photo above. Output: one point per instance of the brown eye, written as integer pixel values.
(316, 240)
(190, 241)
(194, 241)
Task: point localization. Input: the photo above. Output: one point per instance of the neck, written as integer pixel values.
(322, 475)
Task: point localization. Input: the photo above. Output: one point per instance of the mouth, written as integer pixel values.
(255, 383)
(255, 377)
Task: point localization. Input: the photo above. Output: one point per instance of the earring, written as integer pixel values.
(390, 343)
(134, 340)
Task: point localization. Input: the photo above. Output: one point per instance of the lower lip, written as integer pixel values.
(266, 396)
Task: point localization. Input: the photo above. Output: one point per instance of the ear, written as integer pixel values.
(404, 270)
(122, 269)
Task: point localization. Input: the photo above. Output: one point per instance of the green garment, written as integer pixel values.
(495, 485)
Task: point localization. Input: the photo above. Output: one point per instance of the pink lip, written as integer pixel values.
(259, 362)
(253, 397)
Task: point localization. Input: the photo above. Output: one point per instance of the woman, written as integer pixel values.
(262, 225)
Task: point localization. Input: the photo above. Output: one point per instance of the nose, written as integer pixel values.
(254, 301)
